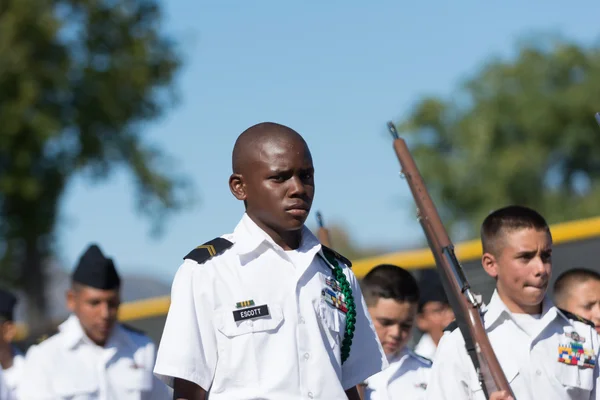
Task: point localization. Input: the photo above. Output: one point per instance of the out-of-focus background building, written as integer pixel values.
(117, 121)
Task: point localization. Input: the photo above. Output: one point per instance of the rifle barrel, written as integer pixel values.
(455, 283)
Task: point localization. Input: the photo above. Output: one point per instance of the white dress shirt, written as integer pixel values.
(5, 393)
(529, 356)
(426, 347)
(70, 366)
(293, 353)
(405, 379)
(13, 375)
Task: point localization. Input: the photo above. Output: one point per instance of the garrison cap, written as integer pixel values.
(430, 288)
(7, 304)
(97, 271)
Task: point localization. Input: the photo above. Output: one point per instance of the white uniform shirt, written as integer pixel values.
(294, 353)
(426, 347)
(13, 375)
(5, 393)
(530, 362)
(70, 366)
(405, 379)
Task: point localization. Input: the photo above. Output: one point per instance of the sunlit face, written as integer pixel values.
(522, 268)
(393, 321)
(96, 310)
(278, 185)
(583, 299)
(434, 317)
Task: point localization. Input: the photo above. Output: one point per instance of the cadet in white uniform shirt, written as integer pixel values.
(11, 358)
(93, 356)
(434, 313)
(392, 296)
(545, 353)
(267, 312)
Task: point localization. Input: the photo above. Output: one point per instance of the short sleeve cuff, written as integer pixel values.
(167, 375)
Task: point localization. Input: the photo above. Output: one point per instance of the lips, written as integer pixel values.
(298, 210)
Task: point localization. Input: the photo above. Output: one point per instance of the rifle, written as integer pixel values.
(463, 301)
(323, 233)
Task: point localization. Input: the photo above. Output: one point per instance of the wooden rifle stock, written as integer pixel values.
(463, 301)
(323, 233)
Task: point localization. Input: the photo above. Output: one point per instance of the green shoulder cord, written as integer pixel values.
(349, 299)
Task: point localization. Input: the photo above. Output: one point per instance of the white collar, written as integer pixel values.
(74, 335)
(497, 309)
(248, 237)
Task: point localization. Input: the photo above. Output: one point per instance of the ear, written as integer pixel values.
(490, 264)
(237, 186)
(71, 300)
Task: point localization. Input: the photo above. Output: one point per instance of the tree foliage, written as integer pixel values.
(518, 132)
(79, 79)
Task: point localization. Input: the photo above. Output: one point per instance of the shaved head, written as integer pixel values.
(248, 145)
(273, 175)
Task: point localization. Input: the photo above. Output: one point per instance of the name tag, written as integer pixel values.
(251, 313)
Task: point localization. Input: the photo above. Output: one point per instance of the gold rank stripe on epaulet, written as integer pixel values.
(337, 255)
(208, 250)
(576, 317)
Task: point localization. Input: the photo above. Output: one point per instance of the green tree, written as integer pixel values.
(517, 132)
(79, 81)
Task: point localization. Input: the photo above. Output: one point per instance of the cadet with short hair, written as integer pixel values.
(545, 352)
(267, 312)
(578, 291)
(11, 358)
(434, 313)
(392, 296)
(93, 356)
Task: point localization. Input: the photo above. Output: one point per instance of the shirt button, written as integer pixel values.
(310, 395)
(306, 356)
(250, 323)
(538, 372)
(302, 320)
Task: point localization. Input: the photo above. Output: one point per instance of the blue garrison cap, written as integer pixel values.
(97, 271)
(7, 304)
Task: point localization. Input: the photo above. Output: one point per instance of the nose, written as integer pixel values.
(104, 310)
(540, 266)
(596, 314)
(296, 186)
(395, 332)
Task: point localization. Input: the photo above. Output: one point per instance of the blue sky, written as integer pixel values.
(334, 71)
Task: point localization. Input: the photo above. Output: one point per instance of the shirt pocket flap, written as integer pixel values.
(228, 326)
(576, 377)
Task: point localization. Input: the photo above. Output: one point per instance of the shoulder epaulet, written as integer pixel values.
(451, 326)
(133, 329)
(208, 250)
(576, 317)
(46, 336)
(337, 255)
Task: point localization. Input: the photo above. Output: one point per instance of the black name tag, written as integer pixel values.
(251, 313)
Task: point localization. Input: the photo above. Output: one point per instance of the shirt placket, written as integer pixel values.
(105, 389)
(309, 389)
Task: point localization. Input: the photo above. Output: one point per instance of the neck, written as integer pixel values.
(436, 336)
(6, 356)
(287, 240)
